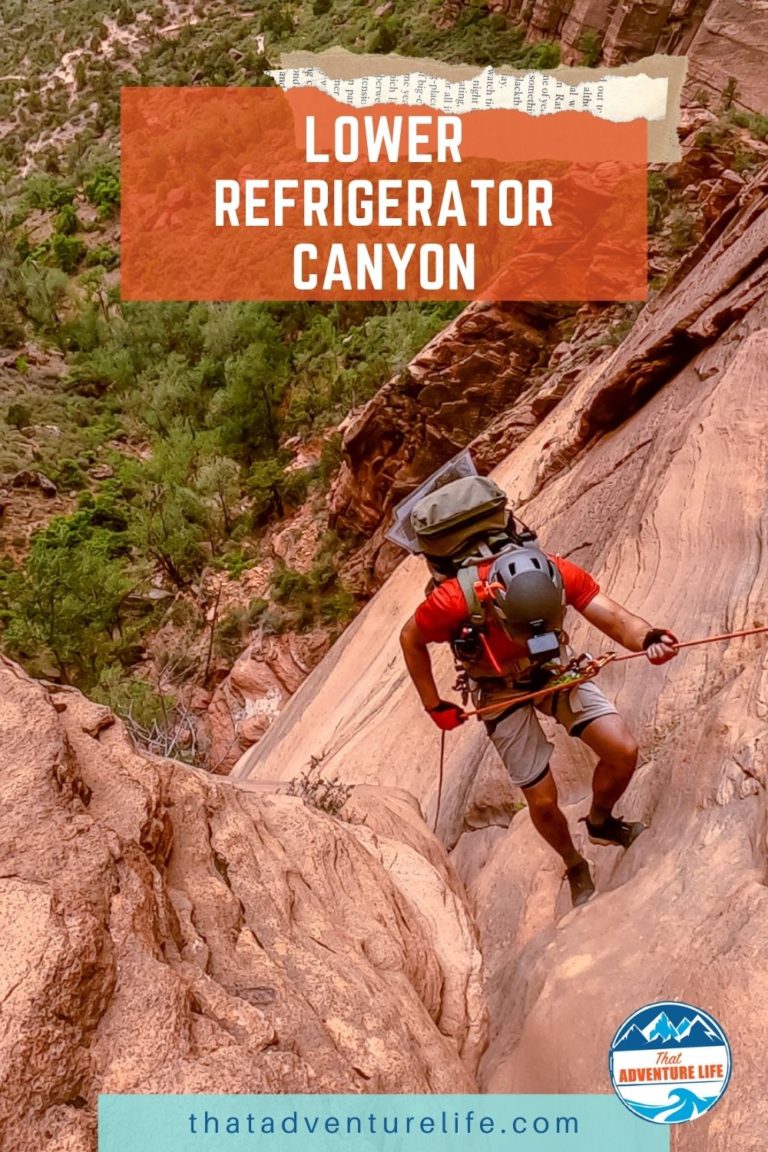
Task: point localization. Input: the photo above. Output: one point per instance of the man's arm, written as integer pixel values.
(419, 664)
(417, 660)
(630, 631)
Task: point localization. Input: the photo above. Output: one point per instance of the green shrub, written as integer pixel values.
(66, 604)
(102, 255)
(67, 251)
(659, 200)
(318, 791)
(256, 609)
(11, 330)
(132, 699)
(331, 456)
(69, 475)
(591, 47)
(103, 190)
(230, 635)
(754, 122)
(314, 597)
(65, 221)
(237, 562)
(44, 191)
(18, 416)
(682, 230)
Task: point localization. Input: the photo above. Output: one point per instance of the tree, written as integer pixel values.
(66, 607)
(169, 519)
(218, 482)
(44, 289)
(245, 411)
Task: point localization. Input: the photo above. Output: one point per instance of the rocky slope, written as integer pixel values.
(713, 34)
(653, 474)
(165, 932)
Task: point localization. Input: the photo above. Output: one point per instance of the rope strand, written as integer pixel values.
(440, 780)
(592, 670)
(598, 664)
(694, 643)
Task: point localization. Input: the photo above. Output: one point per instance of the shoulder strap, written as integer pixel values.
(469, 573)
(467, 578)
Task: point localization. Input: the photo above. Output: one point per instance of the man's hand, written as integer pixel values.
(447, 716)
(632, 631)
(660, 645)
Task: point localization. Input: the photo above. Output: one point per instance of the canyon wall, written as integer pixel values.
(653, 474)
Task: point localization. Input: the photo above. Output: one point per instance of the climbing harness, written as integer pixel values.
(583, 668)
(568, 676)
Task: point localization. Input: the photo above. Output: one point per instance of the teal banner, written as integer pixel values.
(374, 1124)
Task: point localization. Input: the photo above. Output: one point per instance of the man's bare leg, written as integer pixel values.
(548, 819)
(616, 747)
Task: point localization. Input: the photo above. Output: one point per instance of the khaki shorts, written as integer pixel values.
(519, 738)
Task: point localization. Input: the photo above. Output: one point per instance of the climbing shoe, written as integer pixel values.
(580, 882)
(614, 831)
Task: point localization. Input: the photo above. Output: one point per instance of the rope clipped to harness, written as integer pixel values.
(566, 676)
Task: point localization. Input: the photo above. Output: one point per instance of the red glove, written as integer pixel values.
(660, 645)
(447, 716)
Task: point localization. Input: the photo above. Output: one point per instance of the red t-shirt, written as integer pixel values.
(442, 614)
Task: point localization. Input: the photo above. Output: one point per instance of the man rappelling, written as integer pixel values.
(500, 602)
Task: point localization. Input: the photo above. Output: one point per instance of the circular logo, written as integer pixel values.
(670, 1062)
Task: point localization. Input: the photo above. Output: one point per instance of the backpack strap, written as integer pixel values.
(467, 578)
(468, 575)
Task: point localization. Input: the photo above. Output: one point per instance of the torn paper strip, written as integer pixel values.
(663, 144)
(617, 98)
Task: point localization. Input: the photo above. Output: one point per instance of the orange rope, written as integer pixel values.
(598, 664)
(706, 640)
(551, 689)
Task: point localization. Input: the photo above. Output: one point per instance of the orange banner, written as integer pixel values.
(258, 194)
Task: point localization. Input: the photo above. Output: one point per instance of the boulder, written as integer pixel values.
(165, 931)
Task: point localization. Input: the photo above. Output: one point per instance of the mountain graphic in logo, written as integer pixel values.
(663, 1032)
(669, 1062)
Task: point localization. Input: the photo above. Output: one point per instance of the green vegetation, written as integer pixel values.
(318, 791)
(477, 36)
(591, 47)
(117, 44)
(307, 599)
(209, 391)
(67, 608)
(660, 198)
(730, 135)
(167, 427)
(164, 426)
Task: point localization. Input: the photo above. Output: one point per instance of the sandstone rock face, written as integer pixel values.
(724, 40)
(731, 43)
(653, 474)
(473, 369)
(247, 702)
(487, 379)
(164, 931)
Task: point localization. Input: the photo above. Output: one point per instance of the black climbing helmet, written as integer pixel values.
(525, 592)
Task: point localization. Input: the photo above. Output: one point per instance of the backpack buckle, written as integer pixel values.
(485, 591)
